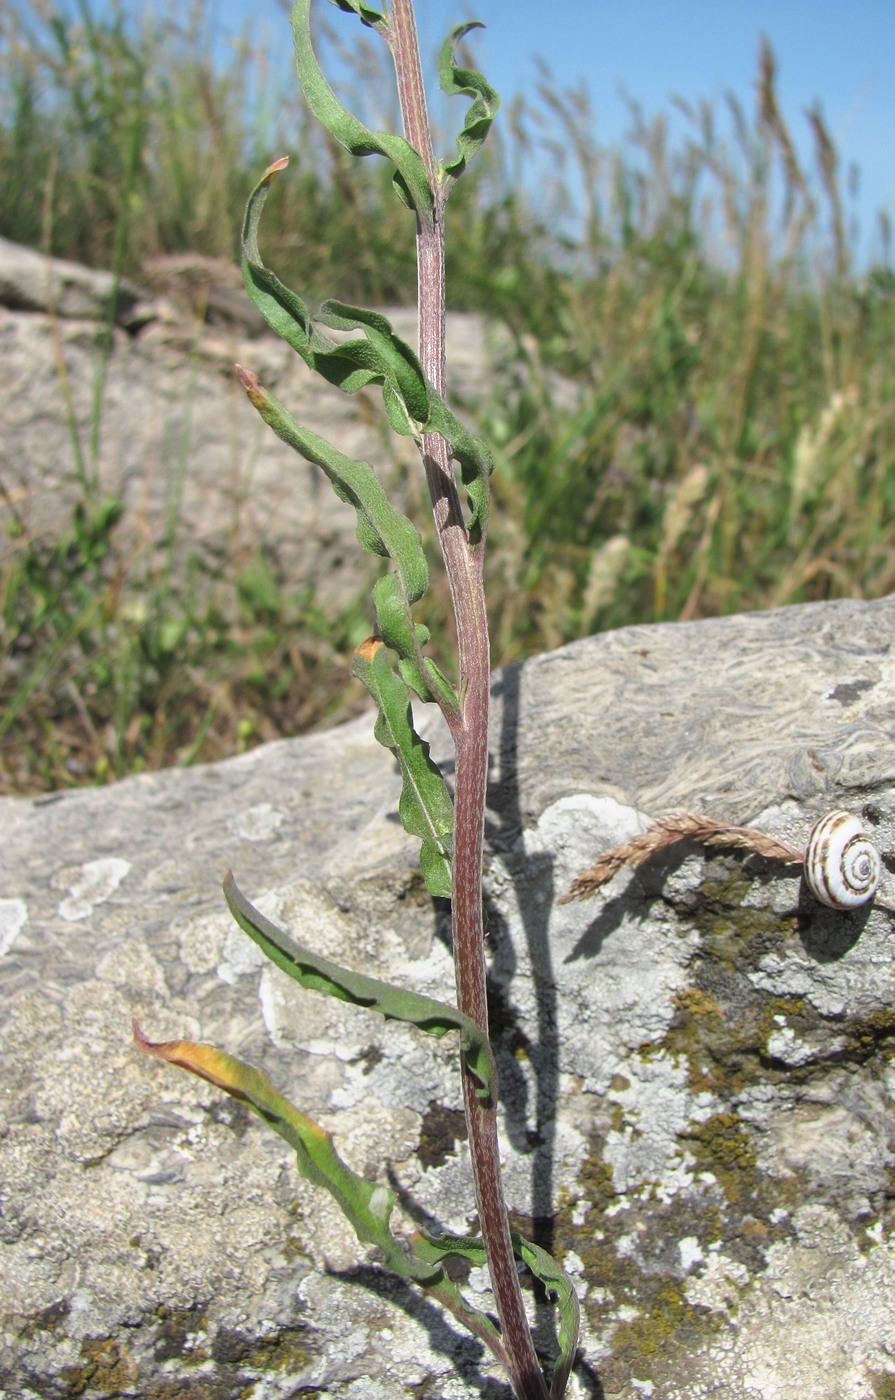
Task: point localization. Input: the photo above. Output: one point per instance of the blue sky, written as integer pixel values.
(837, 52)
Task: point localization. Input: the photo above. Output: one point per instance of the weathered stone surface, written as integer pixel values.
(696, 1068)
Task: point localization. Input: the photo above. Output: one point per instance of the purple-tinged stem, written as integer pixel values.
(463, 565)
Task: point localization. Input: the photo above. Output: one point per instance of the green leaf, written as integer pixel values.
(430, 1253)
(394, 359)
(482, 110)
(425, 807)
(366, 1205)
(365, 13)
(561, 1292)
(319, 974)
(381, 529)
(432, 1249)
(411, 180)
(413, 405)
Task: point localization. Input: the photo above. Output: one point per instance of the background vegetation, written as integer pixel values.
(695, 412)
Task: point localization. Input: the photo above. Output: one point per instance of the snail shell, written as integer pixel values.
(841, 864)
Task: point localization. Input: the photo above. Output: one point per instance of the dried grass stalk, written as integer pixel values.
(677, 826)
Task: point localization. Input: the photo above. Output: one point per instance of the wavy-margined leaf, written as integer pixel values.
(319, 974)
(366, 1205)
(425, 807)
(413, 404)
(380, 358)
(381, 530)
(405, 389)
(561, 1292)
(483, 108)
(410, 179)
(432, 1249)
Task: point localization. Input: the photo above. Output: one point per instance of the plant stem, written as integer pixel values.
(463, 565)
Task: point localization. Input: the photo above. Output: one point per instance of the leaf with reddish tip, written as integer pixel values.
(365, 1204)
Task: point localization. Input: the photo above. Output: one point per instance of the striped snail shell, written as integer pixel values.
(841, 864)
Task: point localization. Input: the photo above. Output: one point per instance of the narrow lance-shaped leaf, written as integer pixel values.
(425, 807)
(319, 974)
(561, 1291)
(413, 404)
(482, 109)
(381, 530)
(410, 180)
(366, 1205)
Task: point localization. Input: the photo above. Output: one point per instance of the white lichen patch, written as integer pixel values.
(13, 917)
(613, 987)
(865, 973)
(239, 956)
(791, 1049)
(846, 1142)
(717, 1286)
(201, 941)
(257, 823)
(690, 1252)
(98, 880)
(657, 1105)
(820, 1288)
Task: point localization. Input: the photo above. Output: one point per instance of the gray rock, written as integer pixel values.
(30, 281)
(696, 1066)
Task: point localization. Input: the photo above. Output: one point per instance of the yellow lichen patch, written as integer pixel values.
(722, 1145)
(107, 1367)
(692, 1001)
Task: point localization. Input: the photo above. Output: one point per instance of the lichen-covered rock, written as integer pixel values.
(696, 1066)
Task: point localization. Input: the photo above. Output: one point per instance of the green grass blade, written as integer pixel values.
(319, 974)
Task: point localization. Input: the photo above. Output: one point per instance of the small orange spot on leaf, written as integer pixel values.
(368, 649)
